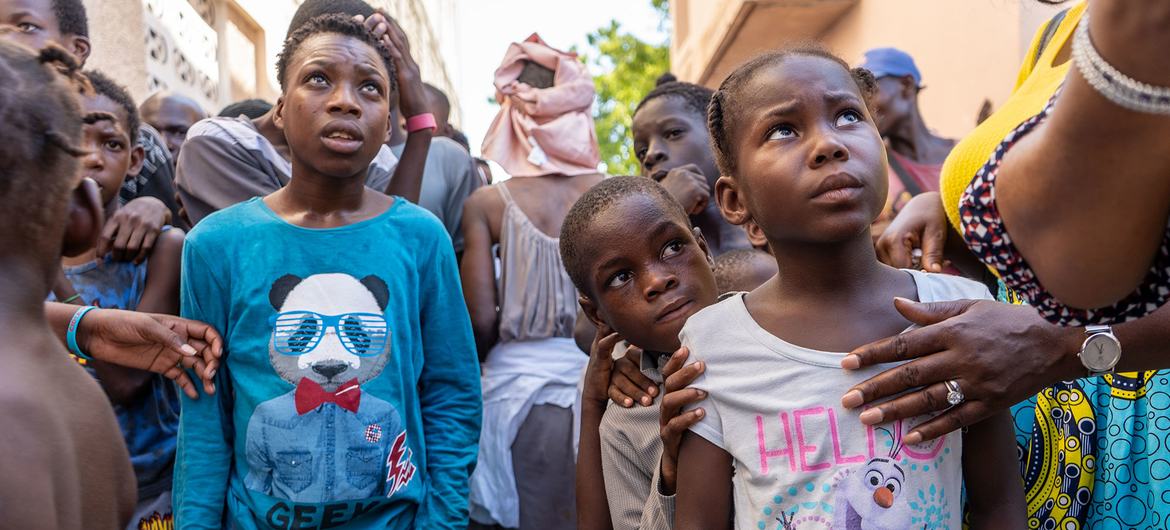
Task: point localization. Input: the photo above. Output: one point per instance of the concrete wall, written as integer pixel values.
(116, 36)
(967, 50)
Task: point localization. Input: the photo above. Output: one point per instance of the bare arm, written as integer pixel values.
(704, 485)
(1097, 211)
(592, 503)
(412, 98)
(161, 295)
(478, 270)
(995, 493)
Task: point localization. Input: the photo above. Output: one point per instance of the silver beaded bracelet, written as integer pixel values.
(1115, 86)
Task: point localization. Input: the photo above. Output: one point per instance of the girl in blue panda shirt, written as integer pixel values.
(350, 391)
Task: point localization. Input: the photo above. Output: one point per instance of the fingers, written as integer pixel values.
(904, 346)
(181, 378)
(674, 402)
(629, 367)
(964, 415)
(146, 245)
(108, 232)
(929, 313)
(625, 392)
(899, 379)
(925, 401)
(673, 430)
(934, 240)
(676, 361)
(122, 241)
(684, 377)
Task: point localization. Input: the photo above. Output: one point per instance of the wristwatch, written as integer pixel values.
(1101, 350)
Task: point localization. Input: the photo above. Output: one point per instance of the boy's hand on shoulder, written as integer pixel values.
(162, 344)
(600, 368)
(412, 96)
(673, 421)
(131, 231)
(628, 384)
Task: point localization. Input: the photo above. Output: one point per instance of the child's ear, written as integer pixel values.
(756, 236)
(703, 245)
(83, 223)
(591, 311)
(79, 47)
(137, 158)
(730, 201)
(278, 113)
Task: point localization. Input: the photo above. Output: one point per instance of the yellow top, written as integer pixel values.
(1034, 87)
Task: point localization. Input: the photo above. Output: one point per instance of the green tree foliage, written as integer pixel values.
(631, 66)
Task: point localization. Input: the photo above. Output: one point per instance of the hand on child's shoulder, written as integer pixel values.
(600, 368)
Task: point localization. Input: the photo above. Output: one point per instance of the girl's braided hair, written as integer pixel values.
(723, 117)
(40, 137)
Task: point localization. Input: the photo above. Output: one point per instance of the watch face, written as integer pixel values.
(1101, 353)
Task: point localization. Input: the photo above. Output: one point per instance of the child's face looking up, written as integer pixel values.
(336, 105)
(112, 155)
(669, 134)
(810, 165)
(650, 273)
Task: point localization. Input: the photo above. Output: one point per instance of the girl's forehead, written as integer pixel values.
(800, 74)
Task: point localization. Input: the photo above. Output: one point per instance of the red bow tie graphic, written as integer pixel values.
(311, 395)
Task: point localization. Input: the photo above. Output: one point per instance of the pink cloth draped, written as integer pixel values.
(543, 131)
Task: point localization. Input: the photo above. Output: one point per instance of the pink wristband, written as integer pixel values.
(421, 121)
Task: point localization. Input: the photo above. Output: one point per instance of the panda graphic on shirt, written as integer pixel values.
(327, 440)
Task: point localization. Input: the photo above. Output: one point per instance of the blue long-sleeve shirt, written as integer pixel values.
(350, 392)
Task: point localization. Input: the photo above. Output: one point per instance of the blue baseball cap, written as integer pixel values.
(884, 62)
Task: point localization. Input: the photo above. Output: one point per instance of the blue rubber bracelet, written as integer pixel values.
(71, 332)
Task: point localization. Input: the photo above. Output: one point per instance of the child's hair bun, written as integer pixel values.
(665, 78)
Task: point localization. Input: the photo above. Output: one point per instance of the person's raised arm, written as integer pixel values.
(449, 391)
(412, 101)
(704, 499)
(1086, 196)
(478, 269)
(995, 492)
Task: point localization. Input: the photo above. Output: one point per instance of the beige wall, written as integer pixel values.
(116, 35)
(967, 50)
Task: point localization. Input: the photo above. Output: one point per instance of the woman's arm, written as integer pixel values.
(160, 295)
(995, 493)
(163, 344)
(704, 485)
(1086, 196)
(478, 270)
(1002, 354)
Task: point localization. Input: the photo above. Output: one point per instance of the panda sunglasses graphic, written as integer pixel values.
(327, 440)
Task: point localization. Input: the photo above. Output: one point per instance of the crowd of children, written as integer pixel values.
(320, 313)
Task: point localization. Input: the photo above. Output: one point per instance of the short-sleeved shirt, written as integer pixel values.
(227, 161)
(800, 458)
(449, 179)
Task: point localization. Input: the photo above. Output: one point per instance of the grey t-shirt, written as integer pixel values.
(801, 460)
(448, 180)
(226, 161)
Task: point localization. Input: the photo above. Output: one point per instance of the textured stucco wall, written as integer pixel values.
(117, 36)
